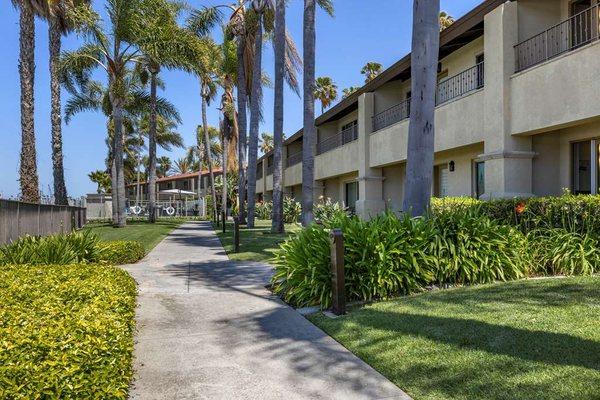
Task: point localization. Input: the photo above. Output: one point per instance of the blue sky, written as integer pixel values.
(361, 31)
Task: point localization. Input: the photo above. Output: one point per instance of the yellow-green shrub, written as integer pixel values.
(66, 332)
(121, 252)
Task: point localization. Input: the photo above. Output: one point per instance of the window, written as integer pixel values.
(351, 195)
(479, 179)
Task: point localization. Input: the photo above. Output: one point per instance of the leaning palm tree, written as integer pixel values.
(310, 130)
(59, 24)
(325, 91)
(134, 27)
(28, 175)
(371, 70)
(445, 20)
(421, 131)
(266, 142)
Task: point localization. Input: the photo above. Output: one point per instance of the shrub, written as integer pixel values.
(121, 252)
(557, 251)
(292, 210)
(329, 210)
(263, 210)
(67, 332)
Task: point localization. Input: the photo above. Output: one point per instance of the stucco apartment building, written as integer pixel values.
(518, 114)
(184, 182)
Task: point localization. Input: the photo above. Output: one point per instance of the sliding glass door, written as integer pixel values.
(585, 168)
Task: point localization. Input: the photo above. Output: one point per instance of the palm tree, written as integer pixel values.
(102, 179)
(371, 70)
(308, 142)
(164, 165)
(349, 91)
(445, 20)
(266, 142)
(325, 91)
(58, 25)
(134, 27)
(182, 166)
(28, 175)
(421, 131)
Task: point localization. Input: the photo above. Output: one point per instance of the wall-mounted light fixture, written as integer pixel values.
(451, 166)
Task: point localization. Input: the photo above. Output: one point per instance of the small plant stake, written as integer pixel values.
(236, 235)
(338, 291)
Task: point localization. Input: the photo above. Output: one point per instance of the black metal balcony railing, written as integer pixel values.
(577, 31)
(456, 86)
(270, 169)
(392, 115)
(294, 159)
(342, 138)
(461, 84)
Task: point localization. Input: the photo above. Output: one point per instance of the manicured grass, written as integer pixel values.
(256, 244)
(149, 235)
(535, 339)
(66, 332)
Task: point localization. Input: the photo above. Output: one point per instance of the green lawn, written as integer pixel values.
(256, 244)
(535, 339)
(147, 234)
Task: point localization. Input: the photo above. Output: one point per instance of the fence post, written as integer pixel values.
(338, 290)
(236, 234)
(223, 220)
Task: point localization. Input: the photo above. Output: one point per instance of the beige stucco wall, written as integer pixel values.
(463, 58)
(393, 186)
(260, 185)
(535, 16)
(560, 92)
(337, 162)
(335, 188)
(391, 94)
(293, 175)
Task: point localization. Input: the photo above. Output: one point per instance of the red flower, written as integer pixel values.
(520, 208)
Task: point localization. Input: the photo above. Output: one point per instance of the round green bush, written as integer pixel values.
(121, 252)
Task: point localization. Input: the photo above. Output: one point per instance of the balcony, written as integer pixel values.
(454, 87)
(577, 31)
(270, 169)
(344, 137)
(294, 159)
(259, 172)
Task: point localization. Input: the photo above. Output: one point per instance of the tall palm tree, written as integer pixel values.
(207, 92)
(310, 131)
(58, 24)
(28, 175)
(266, 142)
(421, 131)
(182, 166)
(325, 91)
(445, 20)
(134, 27)
(371, 70)
(164, 165)
(348, 91)
(102, 179)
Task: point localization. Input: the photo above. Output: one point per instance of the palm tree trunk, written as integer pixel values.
(225, 149)
(209, 156)
(58, 171)
(277, 221)
(308, 143)
(152, 151)
(421, 131)
(242, 128)
(28, 175)
(255, 101)
(119, 168)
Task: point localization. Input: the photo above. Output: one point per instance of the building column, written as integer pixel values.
(370, 180)
(508, 159)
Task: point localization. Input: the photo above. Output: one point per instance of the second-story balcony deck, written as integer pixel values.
(580, 29)
(456, 86)
(344, 137)
(293, 159)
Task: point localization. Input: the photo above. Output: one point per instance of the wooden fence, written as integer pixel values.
(19, 219)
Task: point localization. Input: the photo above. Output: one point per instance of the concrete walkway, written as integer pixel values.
(208, 329)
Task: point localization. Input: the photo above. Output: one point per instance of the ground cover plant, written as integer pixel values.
(534, 339)
(67, 332)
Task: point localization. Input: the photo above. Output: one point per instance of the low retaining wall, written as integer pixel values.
(19, 219)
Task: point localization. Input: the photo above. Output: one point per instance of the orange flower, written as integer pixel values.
(520, 208)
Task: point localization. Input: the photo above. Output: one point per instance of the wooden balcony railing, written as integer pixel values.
(342, 138)
(392, 115)
(577, 31)
(294, 159)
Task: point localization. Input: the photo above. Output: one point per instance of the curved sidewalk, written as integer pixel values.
(208, 329)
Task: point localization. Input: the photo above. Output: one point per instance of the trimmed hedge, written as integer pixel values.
(121, 252)
(76, 247)
(66, 332)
